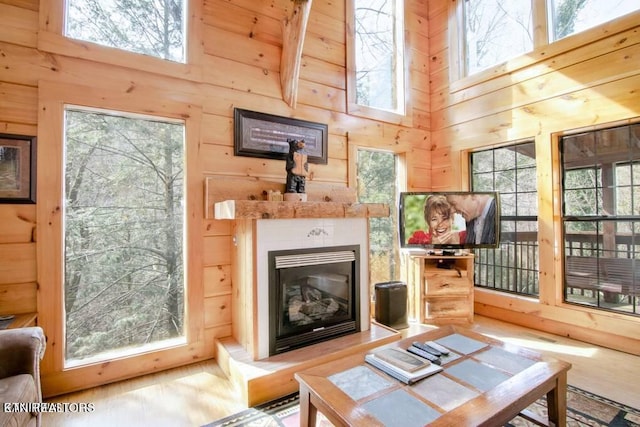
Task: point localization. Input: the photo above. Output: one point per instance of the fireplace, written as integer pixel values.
(305, 235)
(245, 356)
(314, 295)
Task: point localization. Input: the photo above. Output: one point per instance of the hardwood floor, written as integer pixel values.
(187, 396)
(200, 393)
(608, 373)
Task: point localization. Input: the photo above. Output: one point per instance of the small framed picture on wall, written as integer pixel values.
(17, 169)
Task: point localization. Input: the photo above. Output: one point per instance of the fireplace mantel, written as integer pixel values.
(258, 209)
(238, 198)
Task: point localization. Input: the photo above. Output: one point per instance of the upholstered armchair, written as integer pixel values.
(21, 350)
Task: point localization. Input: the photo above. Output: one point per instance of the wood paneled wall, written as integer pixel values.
(234, 51)
(582, 82)
(17, 259)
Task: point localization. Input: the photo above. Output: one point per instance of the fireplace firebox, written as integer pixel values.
(314, 295)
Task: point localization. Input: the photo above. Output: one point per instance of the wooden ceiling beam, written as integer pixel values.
(293, 31)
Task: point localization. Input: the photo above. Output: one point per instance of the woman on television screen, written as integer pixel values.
(438, 215)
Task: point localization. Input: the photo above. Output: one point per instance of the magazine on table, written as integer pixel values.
(407, 377)
(401, 359)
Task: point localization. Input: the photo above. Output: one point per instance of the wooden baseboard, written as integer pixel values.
(536, 322)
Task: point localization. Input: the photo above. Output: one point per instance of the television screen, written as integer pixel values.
(453, 219)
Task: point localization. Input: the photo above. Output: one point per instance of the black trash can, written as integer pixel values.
(391, 304)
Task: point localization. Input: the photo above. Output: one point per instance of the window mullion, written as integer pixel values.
(540, 13)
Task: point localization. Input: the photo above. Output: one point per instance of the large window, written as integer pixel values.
(601, 218)
(123, 233)
(376, 56)
(150, 27)
(513, 266)
(494, 31)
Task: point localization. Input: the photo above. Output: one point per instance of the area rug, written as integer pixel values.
(584, 409)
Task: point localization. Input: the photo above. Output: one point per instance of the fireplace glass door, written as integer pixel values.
(311, 303)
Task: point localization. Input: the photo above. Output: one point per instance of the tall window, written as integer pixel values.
(150, 27)
(513, 266)
(494, 31)
(377, 183)
(601, 218)
(378, 55)
(123, 230)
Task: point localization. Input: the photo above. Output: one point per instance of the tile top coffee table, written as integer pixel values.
(485, 382)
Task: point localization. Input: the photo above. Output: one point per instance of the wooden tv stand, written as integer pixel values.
(442, 288)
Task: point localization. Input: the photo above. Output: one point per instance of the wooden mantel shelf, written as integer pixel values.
(260, 209)
(244, 198)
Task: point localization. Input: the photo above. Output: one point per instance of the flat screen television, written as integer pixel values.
(449, 219)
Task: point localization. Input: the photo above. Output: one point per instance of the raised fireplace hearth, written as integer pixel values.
(314, 296)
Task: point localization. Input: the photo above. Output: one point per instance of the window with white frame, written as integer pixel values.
(568, 17)
(494, 31)
(377, 69)
(150, 27)
(124, 219)
(377, 182)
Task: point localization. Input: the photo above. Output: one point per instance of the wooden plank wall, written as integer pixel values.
(582, 82)
(17, 259)
(18, 101)
(234, 62)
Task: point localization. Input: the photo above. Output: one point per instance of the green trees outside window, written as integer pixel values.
(123, 231)
(149, 27)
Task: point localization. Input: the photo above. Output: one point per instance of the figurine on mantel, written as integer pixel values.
(297, 171)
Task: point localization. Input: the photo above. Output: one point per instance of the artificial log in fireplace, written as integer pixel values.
(314, 295)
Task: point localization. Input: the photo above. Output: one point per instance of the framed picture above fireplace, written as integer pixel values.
(265, 136)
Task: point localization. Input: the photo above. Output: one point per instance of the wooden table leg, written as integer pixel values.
(557, 402)
(308, 412)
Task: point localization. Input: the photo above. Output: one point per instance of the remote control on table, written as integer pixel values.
(427, 348)
(430, 357)
(440, 348)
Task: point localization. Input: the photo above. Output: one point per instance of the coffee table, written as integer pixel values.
(484, 382)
